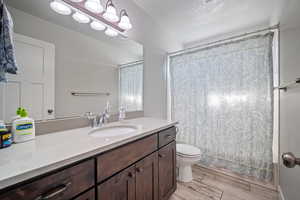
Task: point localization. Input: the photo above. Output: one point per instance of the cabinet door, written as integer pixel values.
(89, 195)
(167, 171)
(119, 187)
(147, 178)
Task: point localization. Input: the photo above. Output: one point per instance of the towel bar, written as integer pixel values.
(90, 93)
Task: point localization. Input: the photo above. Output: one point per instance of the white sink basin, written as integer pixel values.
(114, 131)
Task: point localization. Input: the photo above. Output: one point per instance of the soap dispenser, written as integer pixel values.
(122, 113)
(23, 128)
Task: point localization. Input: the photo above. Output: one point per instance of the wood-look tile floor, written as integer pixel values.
(208, 185)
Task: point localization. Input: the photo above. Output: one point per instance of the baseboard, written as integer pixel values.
(281, 196)
(249, 180)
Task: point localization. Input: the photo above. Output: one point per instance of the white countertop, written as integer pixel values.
(48, 152)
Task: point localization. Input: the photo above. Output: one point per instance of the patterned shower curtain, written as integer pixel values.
(222, 97)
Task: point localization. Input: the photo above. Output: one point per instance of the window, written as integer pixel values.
(131, 86)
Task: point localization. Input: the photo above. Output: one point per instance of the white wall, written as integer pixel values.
(155, 91)
(157, 42)
(80, 65)
(78, 76)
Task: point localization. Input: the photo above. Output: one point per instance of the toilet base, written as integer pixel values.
(185, 174)
(186, 157)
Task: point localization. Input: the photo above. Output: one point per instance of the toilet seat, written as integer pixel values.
(186, 150)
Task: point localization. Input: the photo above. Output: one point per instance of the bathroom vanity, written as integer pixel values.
(141, 167)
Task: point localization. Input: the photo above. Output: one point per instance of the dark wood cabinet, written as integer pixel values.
(115, 160)
(166, 136)
(120, 187)
(138, 182)
(63, 185)
(152, 178)
(89, 195)
(147, 178)
(144, 169)
(167, 170)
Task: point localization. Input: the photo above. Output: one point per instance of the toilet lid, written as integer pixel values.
(188, 150)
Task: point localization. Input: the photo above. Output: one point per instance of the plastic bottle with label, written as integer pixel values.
(23, 128)
(5, 136)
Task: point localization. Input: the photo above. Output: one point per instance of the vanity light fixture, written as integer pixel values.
(86, 11)
(94, 6)
(60, 8)
(111, 33)
(111, 12)
(81, 18)
(97, 26)
(125, 21)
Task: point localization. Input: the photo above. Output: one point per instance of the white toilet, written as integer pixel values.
(186, 156)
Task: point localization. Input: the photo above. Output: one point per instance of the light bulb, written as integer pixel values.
(125, 23)
(81, 18)
(77, 1)
(97, 26)
(60, 8)
(111, 14)
(94, 6)
(111, 33)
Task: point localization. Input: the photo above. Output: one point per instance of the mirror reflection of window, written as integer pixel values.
(131, 86)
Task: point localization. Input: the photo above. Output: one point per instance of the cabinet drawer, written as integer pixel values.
(166, 136)
(59, 186)
(114, 161)
(89, 195)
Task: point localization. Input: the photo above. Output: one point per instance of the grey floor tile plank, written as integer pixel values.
(208, 185)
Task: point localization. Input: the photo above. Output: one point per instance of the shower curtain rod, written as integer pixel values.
(200, 46)
(131, 63)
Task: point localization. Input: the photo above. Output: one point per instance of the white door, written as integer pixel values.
(290, 115)
(33, 86)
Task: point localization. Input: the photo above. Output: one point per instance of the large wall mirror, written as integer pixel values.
(67, 69)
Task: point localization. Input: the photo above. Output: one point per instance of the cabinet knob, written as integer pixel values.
(161, 155)
(50, 111)
(139, 169)
(168, 136)
(130, 175)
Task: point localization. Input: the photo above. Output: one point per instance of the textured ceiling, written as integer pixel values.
(191, 22)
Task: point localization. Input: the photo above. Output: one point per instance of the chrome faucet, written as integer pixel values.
(98, 120)
(103, 118)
